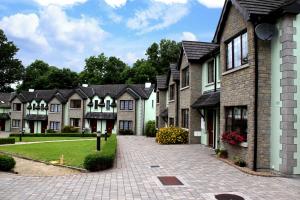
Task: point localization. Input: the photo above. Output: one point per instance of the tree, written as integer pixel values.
(40, 76)
(11, 69)
(103, 70)
(143, 71)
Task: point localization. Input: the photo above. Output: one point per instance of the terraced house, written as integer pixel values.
(111, 108)
(247, 81)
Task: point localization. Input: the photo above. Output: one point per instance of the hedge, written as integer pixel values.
(7, 163)
(150, 129)
(7, 141)
(55, 135)
(70, 129)
(104, 159)
(126, 132)
(172, 135)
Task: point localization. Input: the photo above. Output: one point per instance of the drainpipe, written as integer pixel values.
(215, 74)
(177, 103)
(255, 103)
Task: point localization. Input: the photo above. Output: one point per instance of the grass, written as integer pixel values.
(74, 151)
(40, 139)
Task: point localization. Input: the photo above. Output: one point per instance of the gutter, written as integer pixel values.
(177, 103)
(255, 103)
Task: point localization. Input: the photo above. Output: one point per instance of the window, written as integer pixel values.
(157, 97)
(236, 120)
(16, 123)
(17, 107)
(54, 126)
(125, 125)
(34, 106)
(185, 77)
(185, 118)
(42, 106)
(172, 92)
(152, 103)
(211, 72)
(237, 52)
(157, 119)
(171, 122)
(107, 104)
(75, 122)
(96, 104)
(54, 108)
(126, 105)
(75, 104)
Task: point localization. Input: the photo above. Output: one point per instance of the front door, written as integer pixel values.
(110, 125)
(210, 127)
(31, 126)
(2, 125)
(44, 126)
(93, 125)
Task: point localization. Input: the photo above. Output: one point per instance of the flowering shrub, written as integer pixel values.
(172, 135)
(233, 138)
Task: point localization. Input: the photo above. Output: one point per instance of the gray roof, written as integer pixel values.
(161, 82)
(175, 72)
(5, 100)
(4, 116)
(211, 99)
(197, 50)
(98, 115)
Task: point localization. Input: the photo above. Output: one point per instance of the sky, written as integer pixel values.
(64, 33)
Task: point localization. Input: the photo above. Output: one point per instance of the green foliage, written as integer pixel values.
(239, 161)
(70, 129)
(7, 163)
(104, 159)
(103, 70)
(126, 132)
(11, 69)
(7, 141)
(55, 135)
(222, 153)
(50, 131)
(172, 135)
(150, 129)
(40, 75)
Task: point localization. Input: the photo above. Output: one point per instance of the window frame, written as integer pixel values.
(172, 92)
(185, 77)
(55, 108)
(211, 71)
(73, 120)
(171, 121)
(235, 123)
(14, 124)
(96, 104)
(128, 107)
(72, 101)
(15, 107)
(54, 125)
(107, 105)
(185, 118)
(243, 60)
(125, 125)
(157, 97)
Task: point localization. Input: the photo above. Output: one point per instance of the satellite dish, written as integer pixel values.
(265, 31)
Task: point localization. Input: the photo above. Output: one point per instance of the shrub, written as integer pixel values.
(239, 162)
(55, 135)
(50, 131)
(150, 129)
(104, 159)
(126, 132)
(172, 135)
(233, 138)
(70, 129)
(7, 141)
(222, 153)
(7, 163)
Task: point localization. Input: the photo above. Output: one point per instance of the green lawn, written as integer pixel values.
(74, 151)
(37, 139)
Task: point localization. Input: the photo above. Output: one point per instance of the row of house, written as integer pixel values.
(246, 80)
(110, 108)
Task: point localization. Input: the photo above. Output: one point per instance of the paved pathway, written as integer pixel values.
(132, 178)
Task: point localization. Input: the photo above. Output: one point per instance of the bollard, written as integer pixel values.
(105, 135)
(98, 140)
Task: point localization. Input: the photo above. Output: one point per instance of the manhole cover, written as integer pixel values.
(154, 166)
(169, 180)
(228, 197)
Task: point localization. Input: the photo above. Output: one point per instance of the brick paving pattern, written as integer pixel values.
(133, 178)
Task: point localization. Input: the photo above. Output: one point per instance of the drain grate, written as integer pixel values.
(228, 197)
(169, 180)
(154, 166)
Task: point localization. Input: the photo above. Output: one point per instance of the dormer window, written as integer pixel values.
(237, 52)
(211, 72)
(16, 107)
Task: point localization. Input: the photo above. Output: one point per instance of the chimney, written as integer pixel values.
(148, 85)
(31, 90)
(85, 85)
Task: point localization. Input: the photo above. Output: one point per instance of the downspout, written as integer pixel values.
(255, 103)
(215, 74)
(177, 103)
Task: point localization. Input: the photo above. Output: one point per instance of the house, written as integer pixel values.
(4, 112)
(161, 101)
(259, 95)
(111, 108)
(192, 57)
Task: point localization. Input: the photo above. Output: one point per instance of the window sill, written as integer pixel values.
(236, 69)
(185, 88)
(244, 144)
(171, 101)
(75, 108)
(210, 84)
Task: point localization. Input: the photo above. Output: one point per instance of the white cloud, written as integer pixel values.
(59, 2)
(131, 58)
(212, 3)
(115, 17)
(172, 1)
(116, 3)
(158, 16)
(24, 27)
(188, 36)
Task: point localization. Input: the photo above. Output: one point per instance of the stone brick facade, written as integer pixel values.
(172, 104)
(56, 116)
(160, 107)
(77, 113)
(289, 90)
(17, 115)
(127, 115)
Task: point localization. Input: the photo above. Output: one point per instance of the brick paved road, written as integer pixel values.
(133, 178)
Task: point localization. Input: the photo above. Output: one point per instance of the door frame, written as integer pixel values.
(211, 136)
(2, 124)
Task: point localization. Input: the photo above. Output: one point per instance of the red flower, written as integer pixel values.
(233, 138)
